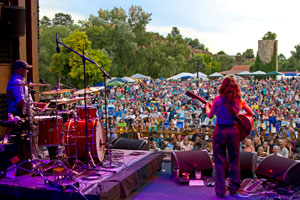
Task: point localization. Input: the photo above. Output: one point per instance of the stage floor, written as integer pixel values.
(99, 183)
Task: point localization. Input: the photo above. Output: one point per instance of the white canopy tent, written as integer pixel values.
(178, 76)
(259, 73)
(216, 74)
(245, 73)
(200, 74)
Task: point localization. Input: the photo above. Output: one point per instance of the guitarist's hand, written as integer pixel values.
(207, 105)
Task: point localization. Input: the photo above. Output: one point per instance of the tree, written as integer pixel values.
(175, 31)
(45, 21)
(239, 58)
(47, 47)
(248, 54)
(226, 61)
(296, 53)
(70, 64)
(110, 17)
(269, 36)
(281, 57)
(62, 19)
(221, 53)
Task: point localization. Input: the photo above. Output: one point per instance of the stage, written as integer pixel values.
(98, 183)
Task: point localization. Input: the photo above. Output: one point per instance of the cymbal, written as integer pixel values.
(32, 84)
(63, 101)
(57, 91)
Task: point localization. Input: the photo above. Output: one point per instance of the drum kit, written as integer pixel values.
(66, 129)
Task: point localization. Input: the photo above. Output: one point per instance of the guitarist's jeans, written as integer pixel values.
(226, 137)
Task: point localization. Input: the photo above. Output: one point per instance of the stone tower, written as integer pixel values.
(266, 49)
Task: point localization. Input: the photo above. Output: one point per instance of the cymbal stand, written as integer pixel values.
(76, 162)
(57, 162)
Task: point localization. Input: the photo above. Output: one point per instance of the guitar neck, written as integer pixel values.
(190, 94)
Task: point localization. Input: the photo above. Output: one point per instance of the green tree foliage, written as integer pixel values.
(62, 19)
(175, 32)
(269, 36)
(195, 43)
(281, 57)
(292, 63)
(226, 61)
(248, 54)
(212, 65)
(45, 21)
(47, 49)
(122, 37)
(239, 58)
(296, 53)
(69, 63)
(110, 16)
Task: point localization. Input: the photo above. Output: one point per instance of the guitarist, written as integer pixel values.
(226, 134)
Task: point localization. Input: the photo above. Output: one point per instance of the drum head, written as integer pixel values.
(100, 140)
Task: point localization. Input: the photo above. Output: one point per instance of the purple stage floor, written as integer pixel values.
(115, 183)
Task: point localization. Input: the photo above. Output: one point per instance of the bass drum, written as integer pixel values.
(95, 139)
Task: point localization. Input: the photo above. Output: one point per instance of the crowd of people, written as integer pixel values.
(160, 104)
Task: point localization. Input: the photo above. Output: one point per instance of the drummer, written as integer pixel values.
(16, 93)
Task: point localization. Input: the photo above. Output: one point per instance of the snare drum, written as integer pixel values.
(91, 112)
(95, 139)
(47, 130)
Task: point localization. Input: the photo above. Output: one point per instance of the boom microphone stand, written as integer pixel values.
(85, 108)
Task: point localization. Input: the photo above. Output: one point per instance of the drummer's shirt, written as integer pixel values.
(16, 93)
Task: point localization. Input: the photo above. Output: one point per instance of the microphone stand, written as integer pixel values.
(85, 108)
(110, 164)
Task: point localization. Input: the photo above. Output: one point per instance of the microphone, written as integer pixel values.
(57, 44)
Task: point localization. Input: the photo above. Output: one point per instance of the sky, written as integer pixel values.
(228, 25)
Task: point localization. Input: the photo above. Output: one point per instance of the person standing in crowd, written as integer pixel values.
(16, 93)
(226, 134)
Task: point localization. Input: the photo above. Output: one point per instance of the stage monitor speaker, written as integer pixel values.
(124, 143)
(279, 169)
(13, 21)
(248, 163)
(191, 161)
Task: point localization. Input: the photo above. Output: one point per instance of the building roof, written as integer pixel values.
(237, 69)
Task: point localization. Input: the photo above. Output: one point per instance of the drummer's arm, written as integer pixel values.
(22, 106)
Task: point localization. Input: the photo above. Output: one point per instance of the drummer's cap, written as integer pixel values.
(20, 64)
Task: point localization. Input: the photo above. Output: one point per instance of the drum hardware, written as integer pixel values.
(76, 162)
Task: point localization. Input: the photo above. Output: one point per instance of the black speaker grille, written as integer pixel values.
(3, 107)
(6, 52)
(124, 143)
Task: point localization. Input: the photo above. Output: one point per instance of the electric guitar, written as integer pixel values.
(244, 125)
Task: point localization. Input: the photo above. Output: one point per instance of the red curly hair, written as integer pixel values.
(231, 90)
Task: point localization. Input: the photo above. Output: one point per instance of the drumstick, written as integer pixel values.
(45, 107)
